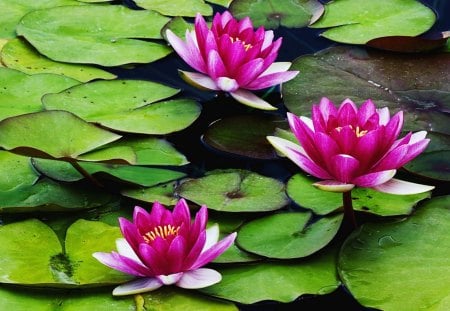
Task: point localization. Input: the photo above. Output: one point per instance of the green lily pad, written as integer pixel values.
(235, 191)
(26, 259)
(432, 164)
(164, 194)
(176, 7)
(178, 25)
(302, 192)
(403, 264)
(13, 11)
(288, 235)
(355, 22)
(49, 196)
(273, 14)
(21, 93)
(244, 135)
(15, 171)
(279, 281)
(20, 55)
(54, 134)
(138, 175)
(106, 35)
(409, 82)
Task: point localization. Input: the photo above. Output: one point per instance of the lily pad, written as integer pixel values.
(21, 93)
(178, 25)
(302, 192)
(20, 55)
(401, 265)
(13, 11)
(279, 281)
(432, 165)
(355, 22)
(54, 134)
(244, 135)
(164, 194)
(235, 191)
(106, 35)
(15, 171)
(49, 196)
(273, 14)
(410, 44)
(138, 175)
(288, 235)
(176, 7)
(127, 106)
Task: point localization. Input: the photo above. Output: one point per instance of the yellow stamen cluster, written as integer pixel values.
(161, 231)
(247, 46)
(358, 131)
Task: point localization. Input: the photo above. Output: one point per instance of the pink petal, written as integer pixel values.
(346, 139)
(249, 71)
(152, 259)
(181, 212)
(138, 286)
(249, 99)
(227, 84)
(327, 109)
(414, 150)
(189, 51)
(157, 213)
(326, 146)
(201, 30)
(125, 249)
(268, 38)
(384, 115)
(245, 24)
(196, 249)
(347, 113)
(333, 186)
(198, 80)
(401, 187)
(235, 52)
(271, 79)
(176, 253)
(277, 67)
(213, 252)
(199, 278)
(199, 224)
(344, 167)
(303, 131)
(212, 236)
(366, 111)
(368, 147)
(142, 219)
(123, 264)
(130, 233)
(216, 67)
(392, 160)
(393, 128)
(374, 179)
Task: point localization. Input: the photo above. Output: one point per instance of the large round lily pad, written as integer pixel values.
(20, 55)
(358, 22)
(302, 192)
(235, 191)
(99, 34)
(127, 105)
(21, 93)
(244, 135)
(401, 265)
(288, 235)
(54, 134)
(279, 281)
(176, 7)
(273, 14)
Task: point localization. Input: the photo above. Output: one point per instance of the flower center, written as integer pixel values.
(247, 46)
(358, 132)
(161, 231)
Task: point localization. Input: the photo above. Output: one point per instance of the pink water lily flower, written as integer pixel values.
(232, 57)
(348, 147)
(165, 248)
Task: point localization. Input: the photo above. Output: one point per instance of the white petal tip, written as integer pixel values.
(199, 278)
(333, 186)
(137, 286)
(401, 187)
(249, 99)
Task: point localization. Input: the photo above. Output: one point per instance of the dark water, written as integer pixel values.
(296, 42)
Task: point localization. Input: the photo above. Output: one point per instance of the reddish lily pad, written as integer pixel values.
(271, 14)
(410, 44)
(235, 191)
(52, 134)
(244, 135)
(288, 235)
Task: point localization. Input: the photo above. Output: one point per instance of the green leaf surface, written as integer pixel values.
(224, 3)
(273, 14)
(244, 135)
(21, 93)
(164, 194)
(357, 22)
(282, 281)
(235, 191)
(302, 192)
(15, 172)
(107, 35)
(20, 55)
(176, 7)
(55, 134)
(178, 26)
(288, 235)
(13, 11)
(403, 264)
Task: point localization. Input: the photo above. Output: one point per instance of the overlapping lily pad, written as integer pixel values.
(356, 22)
(273, 14)
(127, 106)
(176, 7)
(106, 35)
(244, 135)
(301, 190)
(15, 171)
(54, 134)
(288, 235)
(18, 54)
(164, 194)
(401, 265)
(178, 26)
(279, 281)
(235, 191)
(21, 93)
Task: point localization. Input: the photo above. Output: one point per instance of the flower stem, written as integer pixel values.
(349, 214)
